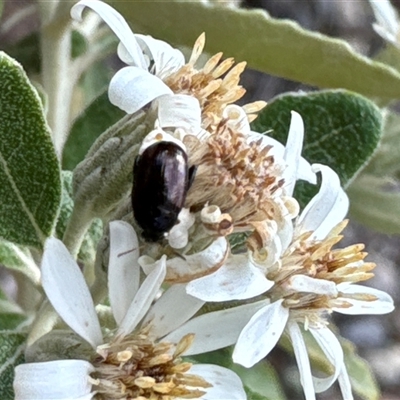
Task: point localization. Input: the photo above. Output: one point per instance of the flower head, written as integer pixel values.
(311, 280)
(133, 360)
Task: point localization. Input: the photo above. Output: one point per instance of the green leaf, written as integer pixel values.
(99, 116)
(30, 186)
(375, 205)
(12, 347)
(261, 381)
(385, 161)
(11, 321)
(362, 379)
(342, 129)
(19, 259)
(8, 306)
(89, 245)
(278, 47)
(374, 195)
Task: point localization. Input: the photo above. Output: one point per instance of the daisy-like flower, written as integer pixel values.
(387, 25)
(311, 280)
(150, 62)
(248, 179)
(183, 95)
(133, 361)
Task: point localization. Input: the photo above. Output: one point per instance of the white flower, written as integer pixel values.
(139, 323)
(241, 276)
(150, 62)
(311, 281)
(387, 25)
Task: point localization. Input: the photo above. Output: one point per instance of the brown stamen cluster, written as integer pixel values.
(213, 91)
(239, 177)
(138, 368)
(317, 259)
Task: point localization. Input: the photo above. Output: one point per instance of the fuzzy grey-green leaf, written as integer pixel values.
(278, 47)
(89, 245)
(98, 116)
(30, 186)
(12, 347)
(342, 129)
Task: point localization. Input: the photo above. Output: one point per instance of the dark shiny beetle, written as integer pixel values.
(161, 180)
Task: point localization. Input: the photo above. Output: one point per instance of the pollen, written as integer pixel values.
(327, 266)
(215, 85)
(138, 368)
(237, 175)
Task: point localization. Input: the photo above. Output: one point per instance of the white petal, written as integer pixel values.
(225, 383)
(382, 305)
(386, 35)
(178, 236)
(386, 15)
(158, 135)
(303, 362)
(179, 111)
(333, 350)
(166, 58)
(217, 329)
(131, 88)
(237, 279)
(143, 299)
(174, 308)
(292, 153)
(117, 23)
(302, 283)
(123, 268)
(327, 208)
(181, 270)
(261, 334)
(53, 380)
(236, 118)
(67, 291)
(345, 385)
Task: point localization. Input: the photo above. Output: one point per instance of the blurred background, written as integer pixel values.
(377, 338)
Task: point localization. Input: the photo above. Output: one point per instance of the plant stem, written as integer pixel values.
(78, 224)
(56, 77)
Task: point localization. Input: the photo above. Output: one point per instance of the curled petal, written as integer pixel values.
(215, 330)
(123, 268)
(131, 88)
(261, 334)
(362, 300)
(173, 309)
(345, 385)
(236, 119)
(178, 236)
(331, 347)
(237, 279)
(327, 208)
(303, 362)
(117, 23)
(225, 383)
(179, 111)
(293, 151)
(181, 270)
(61, 380)
(166, 59)
(143, 299)
(68, 293)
